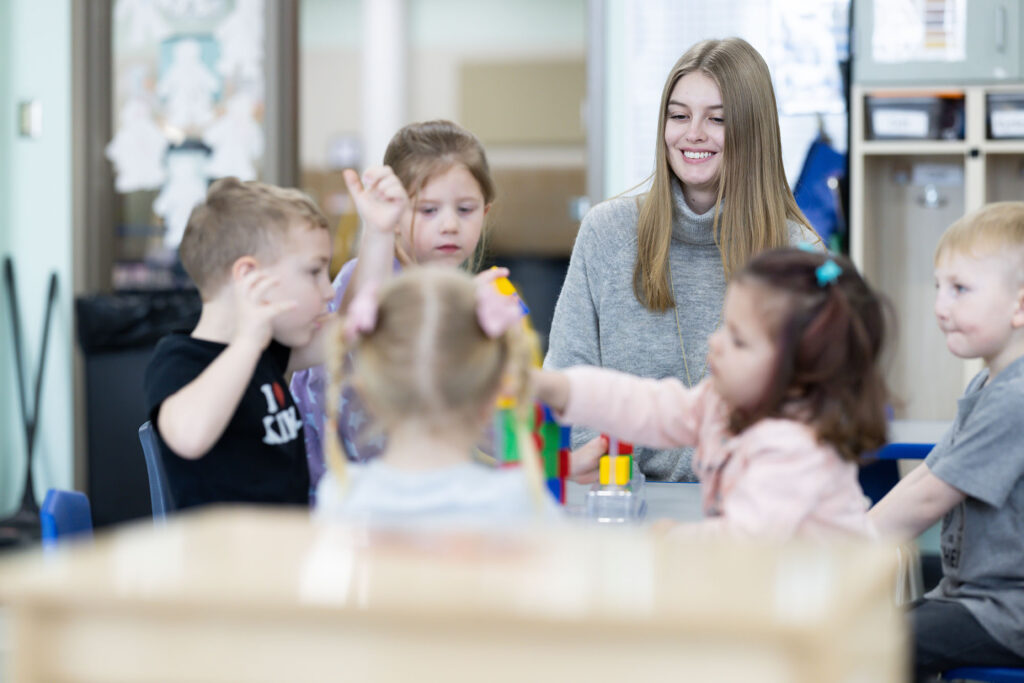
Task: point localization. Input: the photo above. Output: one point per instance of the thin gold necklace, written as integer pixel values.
(679, 331)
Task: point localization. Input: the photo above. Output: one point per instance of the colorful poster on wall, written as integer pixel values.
(919, 31)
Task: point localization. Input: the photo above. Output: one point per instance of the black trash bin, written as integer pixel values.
(117, 333)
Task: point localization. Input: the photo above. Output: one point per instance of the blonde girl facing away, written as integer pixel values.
(646, 280)
(794, 398)
(425, 205)
(429, 357)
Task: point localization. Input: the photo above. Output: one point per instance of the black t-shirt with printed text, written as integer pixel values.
(260, 457)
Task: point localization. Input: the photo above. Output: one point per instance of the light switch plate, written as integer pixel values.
(30, 119)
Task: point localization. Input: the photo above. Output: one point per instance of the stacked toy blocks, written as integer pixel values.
(506, 445)
(553, 444)
(550, 439)
(618, 495)
(616, 467)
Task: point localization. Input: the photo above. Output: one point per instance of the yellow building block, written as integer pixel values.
(503, 284)
(623, 469)
(615, 469)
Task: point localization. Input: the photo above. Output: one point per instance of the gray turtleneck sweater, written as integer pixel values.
(599, 321)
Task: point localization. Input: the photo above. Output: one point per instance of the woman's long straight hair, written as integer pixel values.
(754, 198)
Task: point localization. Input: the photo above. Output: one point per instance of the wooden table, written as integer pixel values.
(256, 595)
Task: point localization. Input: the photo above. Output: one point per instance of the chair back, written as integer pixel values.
(985, 674)
(159, 489)
(881, 472)
(63, 515)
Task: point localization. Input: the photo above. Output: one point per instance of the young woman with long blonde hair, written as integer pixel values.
(646, 281)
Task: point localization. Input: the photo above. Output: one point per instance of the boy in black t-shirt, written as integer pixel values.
(227, 426)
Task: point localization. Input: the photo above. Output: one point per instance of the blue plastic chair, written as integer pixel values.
(64, 515)
(905, 451)
(985, 674)
(980, 674)
(159, 489)
(879, 476)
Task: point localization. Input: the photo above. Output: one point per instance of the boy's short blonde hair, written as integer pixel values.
(240, 219)
(994, 228)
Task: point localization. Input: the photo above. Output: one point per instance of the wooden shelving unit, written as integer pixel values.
(895, 225)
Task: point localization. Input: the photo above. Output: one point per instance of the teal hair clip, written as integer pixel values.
(827, 273)
(806, 246)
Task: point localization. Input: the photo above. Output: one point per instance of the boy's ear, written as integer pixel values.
(1017, 321)
(243, 266)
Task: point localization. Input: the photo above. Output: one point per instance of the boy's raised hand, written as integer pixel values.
(192, 419)
(256, 308)
(379, 196)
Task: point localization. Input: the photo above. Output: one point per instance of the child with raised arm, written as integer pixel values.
(794, 398)
(974, 477)
(425, 205)
(226, 424)
(430, 356)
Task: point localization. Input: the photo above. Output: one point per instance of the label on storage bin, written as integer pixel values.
(1008, 123)
(900, 123)
(942, 175)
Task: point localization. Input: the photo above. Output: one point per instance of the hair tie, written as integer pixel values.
(361, 316)
(806, 246)
(498, 307)
(827, 273)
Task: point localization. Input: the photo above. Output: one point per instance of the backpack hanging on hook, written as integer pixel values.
(817, 190)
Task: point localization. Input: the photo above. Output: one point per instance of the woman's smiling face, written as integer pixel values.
(695, 132)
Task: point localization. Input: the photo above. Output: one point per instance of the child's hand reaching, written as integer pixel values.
(551, 387)
(256, 308)
(380, 197)
(585, 461)
(485, 277)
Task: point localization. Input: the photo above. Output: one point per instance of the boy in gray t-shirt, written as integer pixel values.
(974, 478)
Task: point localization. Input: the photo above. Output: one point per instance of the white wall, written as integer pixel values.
(445, 33)
(622, 91)
(329, 63)
(35, 212)
(442, 34)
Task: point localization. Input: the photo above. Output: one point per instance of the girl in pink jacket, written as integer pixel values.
(794, 397)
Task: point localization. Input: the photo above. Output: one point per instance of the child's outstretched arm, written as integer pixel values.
(918, 501)
(551, 387)
(381, 201)
(192, 419)
(657, 413)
